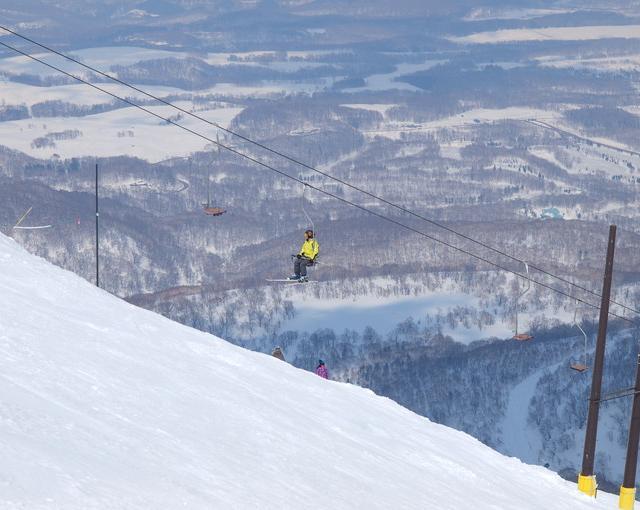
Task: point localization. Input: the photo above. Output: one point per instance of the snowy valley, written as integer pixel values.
(512, 123)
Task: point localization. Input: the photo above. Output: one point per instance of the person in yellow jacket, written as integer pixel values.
(306, 257)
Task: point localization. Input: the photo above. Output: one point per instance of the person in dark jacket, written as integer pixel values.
(277, 353)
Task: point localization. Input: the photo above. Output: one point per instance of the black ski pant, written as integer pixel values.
(300, 266)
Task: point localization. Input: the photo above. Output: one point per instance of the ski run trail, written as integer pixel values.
(107, 406)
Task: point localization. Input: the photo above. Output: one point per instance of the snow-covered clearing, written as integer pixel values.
(266, 88)
(544, 152)
(466, 119)
(610, 63)
(486, 14)
(372, 107)
(127, 131)
(582, 158)
(104, 405)
(104, 58)
(452, 149)
(584, 33)
(12, 93)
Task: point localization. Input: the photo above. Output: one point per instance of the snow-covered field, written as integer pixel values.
(104, 405)
(127, 131)
(582, 158)
(105, 57)
(466, 119)
(102, 58)
(611, 63)
(372, 107)
(486, 14)
(584, 33)
(13, 93)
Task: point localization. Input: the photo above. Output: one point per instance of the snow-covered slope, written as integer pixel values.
(104, 405)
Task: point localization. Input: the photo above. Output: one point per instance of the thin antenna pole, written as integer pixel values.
(208, 185)
(97, 232)
(209, 170)
(304, 210)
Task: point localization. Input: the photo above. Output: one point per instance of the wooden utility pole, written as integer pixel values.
(628, 489)
(587, 480)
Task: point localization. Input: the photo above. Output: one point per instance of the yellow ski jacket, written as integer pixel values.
(310, 249)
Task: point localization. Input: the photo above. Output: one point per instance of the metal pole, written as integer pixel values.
(628, 489)
(97, 233)
(587, 480)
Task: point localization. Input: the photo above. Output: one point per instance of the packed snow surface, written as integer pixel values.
(104, 406)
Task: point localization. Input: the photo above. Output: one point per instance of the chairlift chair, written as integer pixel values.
(522, 337)
(579, 366)
(213, 211)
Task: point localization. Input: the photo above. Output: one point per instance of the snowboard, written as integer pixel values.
(286, 280)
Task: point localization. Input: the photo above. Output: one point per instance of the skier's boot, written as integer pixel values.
(303, 279)
(294, 277)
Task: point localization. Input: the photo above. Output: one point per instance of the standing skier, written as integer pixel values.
(322, 370)
(306, 257)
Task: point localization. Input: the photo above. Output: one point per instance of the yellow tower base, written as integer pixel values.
(627, 498)
(587, 485)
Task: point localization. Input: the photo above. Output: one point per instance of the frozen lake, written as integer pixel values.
(384, 314)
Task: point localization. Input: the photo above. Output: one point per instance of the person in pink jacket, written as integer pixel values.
(321, 370)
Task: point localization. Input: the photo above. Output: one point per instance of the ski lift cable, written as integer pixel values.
(309, 167)
(627, 392)
(580, 367)
(209, 171)
(316, 188)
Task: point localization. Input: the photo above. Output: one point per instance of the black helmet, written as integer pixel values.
(309, 232)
